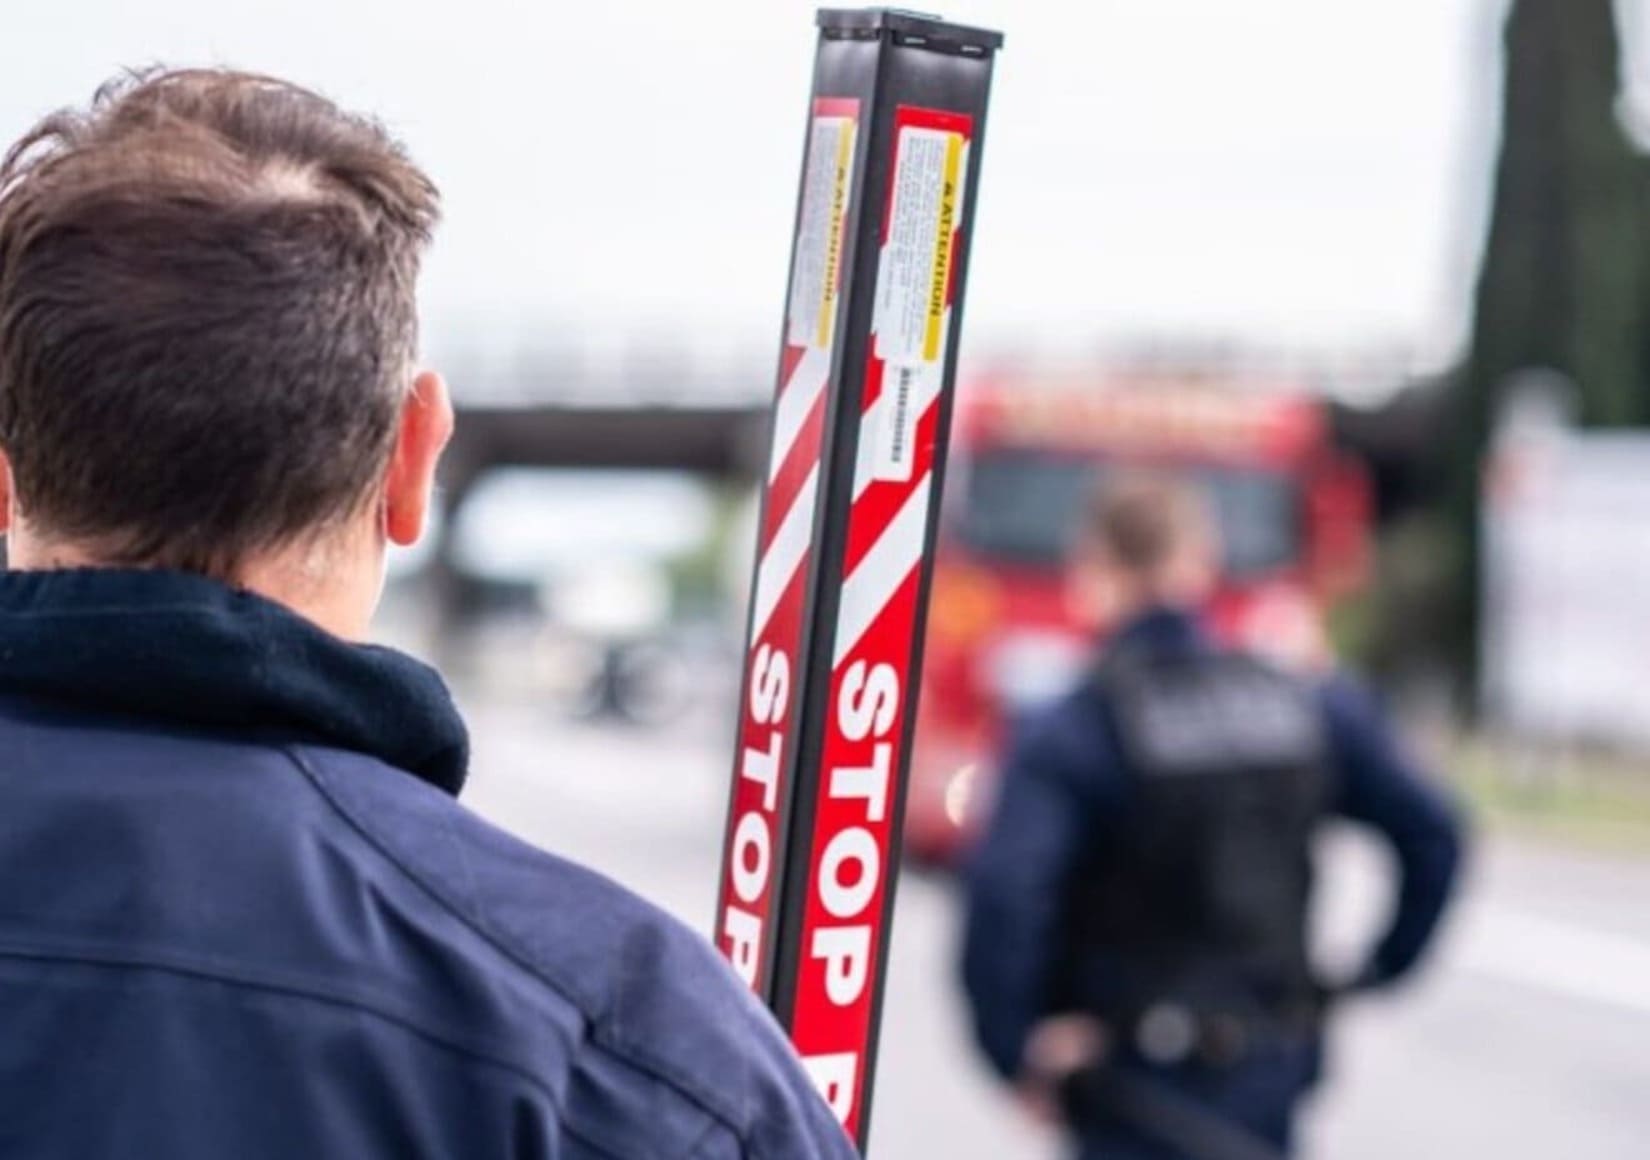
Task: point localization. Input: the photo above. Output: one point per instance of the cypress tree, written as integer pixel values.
(1563, 281)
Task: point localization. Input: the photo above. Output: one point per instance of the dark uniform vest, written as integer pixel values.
(1201, 897)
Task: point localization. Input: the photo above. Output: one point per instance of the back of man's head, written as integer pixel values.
(1152, 540)
(207, 317)
(1141, 519)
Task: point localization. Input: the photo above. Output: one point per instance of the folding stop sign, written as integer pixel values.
(845, 549)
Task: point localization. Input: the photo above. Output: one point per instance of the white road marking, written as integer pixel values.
(1552, 955)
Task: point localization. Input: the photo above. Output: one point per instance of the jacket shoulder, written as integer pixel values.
(1071, 731)
(664, 1012)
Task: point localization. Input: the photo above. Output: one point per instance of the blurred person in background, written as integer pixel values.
(1136, 954)
(241, 912)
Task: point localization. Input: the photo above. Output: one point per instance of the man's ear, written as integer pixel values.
(1091, 589)
(426, 425)
(5, 493)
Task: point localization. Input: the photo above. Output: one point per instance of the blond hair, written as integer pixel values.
(1141, 520)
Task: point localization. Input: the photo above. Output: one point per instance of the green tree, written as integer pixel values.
(1563, 281)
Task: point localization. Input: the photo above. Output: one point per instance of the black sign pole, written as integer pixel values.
(844, 556)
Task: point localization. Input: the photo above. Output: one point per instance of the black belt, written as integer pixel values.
(1167, 1034)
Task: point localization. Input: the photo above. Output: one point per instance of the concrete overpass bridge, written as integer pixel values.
(718, 439)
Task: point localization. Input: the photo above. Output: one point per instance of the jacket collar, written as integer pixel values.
(1165, 628)
(185, 649)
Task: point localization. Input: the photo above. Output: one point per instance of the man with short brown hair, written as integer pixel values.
(241, 913)
(1137, 955)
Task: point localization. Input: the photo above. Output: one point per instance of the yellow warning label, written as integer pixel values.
(914, 272)
(946, 229)
(816, 271)
(833, 246)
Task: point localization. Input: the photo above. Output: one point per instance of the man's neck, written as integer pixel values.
(308, 579)
(335, 598)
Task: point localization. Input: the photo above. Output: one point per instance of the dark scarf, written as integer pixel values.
(182, 648)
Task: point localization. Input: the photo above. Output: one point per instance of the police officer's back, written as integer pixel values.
(1142, 893)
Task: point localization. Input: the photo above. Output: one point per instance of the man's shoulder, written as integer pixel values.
(660, 1005)
(1072, 727)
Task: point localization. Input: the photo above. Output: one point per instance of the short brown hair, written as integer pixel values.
(1139, 520)
(207, 315)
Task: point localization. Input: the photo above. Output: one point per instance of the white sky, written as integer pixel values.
(1283, 172)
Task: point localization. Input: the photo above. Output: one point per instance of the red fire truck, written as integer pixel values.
(1005, 629)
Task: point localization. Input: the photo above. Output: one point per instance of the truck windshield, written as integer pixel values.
(1022, 507)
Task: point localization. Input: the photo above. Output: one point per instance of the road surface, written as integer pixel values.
(1531, 1038)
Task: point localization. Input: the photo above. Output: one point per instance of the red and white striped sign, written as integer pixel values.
(872, 641)
(745, 913)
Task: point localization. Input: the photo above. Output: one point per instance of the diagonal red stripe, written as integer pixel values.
(793, 473)
(789, 356)
(883, 500)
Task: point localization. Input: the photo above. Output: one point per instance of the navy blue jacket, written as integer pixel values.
(242, 915)
(1063, 787)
